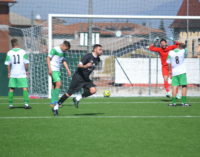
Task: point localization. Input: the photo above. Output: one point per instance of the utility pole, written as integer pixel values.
(90, 21)
(187, 24)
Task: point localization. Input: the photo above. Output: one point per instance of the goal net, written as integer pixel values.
(127, 67)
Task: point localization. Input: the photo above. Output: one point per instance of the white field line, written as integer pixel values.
(110, 102)
(99, 117)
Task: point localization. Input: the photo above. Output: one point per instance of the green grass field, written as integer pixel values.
(101, 127)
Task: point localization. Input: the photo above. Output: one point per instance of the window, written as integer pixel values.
(186, 42)
(84, 38)
(193, 44)
(193, 47)
(198, 41)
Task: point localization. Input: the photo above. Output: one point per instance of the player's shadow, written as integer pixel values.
(17, 107)
(166, 100)
(88, 114)
(68, 105)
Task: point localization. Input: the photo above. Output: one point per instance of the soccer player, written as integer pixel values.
(54, 61)
(163, 51)
(176, 62)
(17, 65)
(81, 78)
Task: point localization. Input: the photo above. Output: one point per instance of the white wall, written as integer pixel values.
(137, 70)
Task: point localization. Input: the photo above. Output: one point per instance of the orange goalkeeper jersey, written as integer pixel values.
(163, 52)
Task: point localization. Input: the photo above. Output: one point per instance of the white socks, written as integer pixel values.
(56, 107)
(79, 97)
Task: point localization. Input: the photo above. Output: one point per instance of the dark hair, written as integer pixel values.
(67, 44)
(182, 45)
(14, 42)
(163, 40)
(96, 45)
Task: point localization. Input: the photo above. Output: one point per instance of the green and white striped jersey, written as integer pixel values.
(17, 58)
(176, 59)
(57, 56)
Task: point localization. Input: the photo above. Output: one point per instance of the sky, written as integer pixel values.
(110, 7)
(120, 7)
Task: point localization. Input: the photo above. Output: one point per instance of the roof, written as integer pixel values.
(7, 1)
(104, 28)
(19, 20)
(193, 10)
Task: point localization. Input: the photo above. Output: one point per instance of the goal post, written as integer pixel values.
(125, 39)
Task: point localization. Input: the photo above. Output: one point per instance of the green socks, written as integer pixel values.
(184, 99)
(26, 97)
(55, 95)
(10, 98)
(52, 96)
(173, 100)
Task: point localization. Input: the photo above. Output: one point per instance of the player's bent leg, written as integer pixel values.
(93, 90)
(63, 98)
(26, 98)
(87, 92)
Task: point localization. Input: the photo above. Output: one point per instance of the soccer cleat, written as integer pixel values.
(178, 96)
(27, 107)
(76, 103)
(55, 112)
(186, 105)
(168, 95)
(10, 106)
(171, 104)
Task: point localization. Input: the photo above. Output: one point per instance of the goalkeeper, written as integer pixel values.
(54, 61)
(163, 51)
(175, 61)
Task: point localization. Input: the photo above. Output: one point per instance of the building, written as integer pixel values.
(4, 24)
(120, 35)
(188, 31)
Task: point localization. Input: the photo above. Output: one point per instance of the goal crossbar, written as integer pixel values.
(86, 16)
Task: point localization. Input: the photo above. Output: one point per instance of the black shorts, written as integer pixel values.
(77, 83)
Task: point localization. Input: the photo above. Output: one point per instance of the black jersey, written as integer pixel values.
(85, 72)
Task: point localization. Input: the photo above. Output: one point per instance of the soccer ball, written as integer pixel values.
(106, 93)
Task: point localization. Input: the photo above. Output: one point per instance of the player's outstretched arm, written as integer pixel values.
(153, 48)
(49, 66)
(67, 68)
(171, 47)
(8, 68)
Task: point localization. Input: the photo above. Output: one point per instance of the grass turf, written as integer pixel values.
(101, 127)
